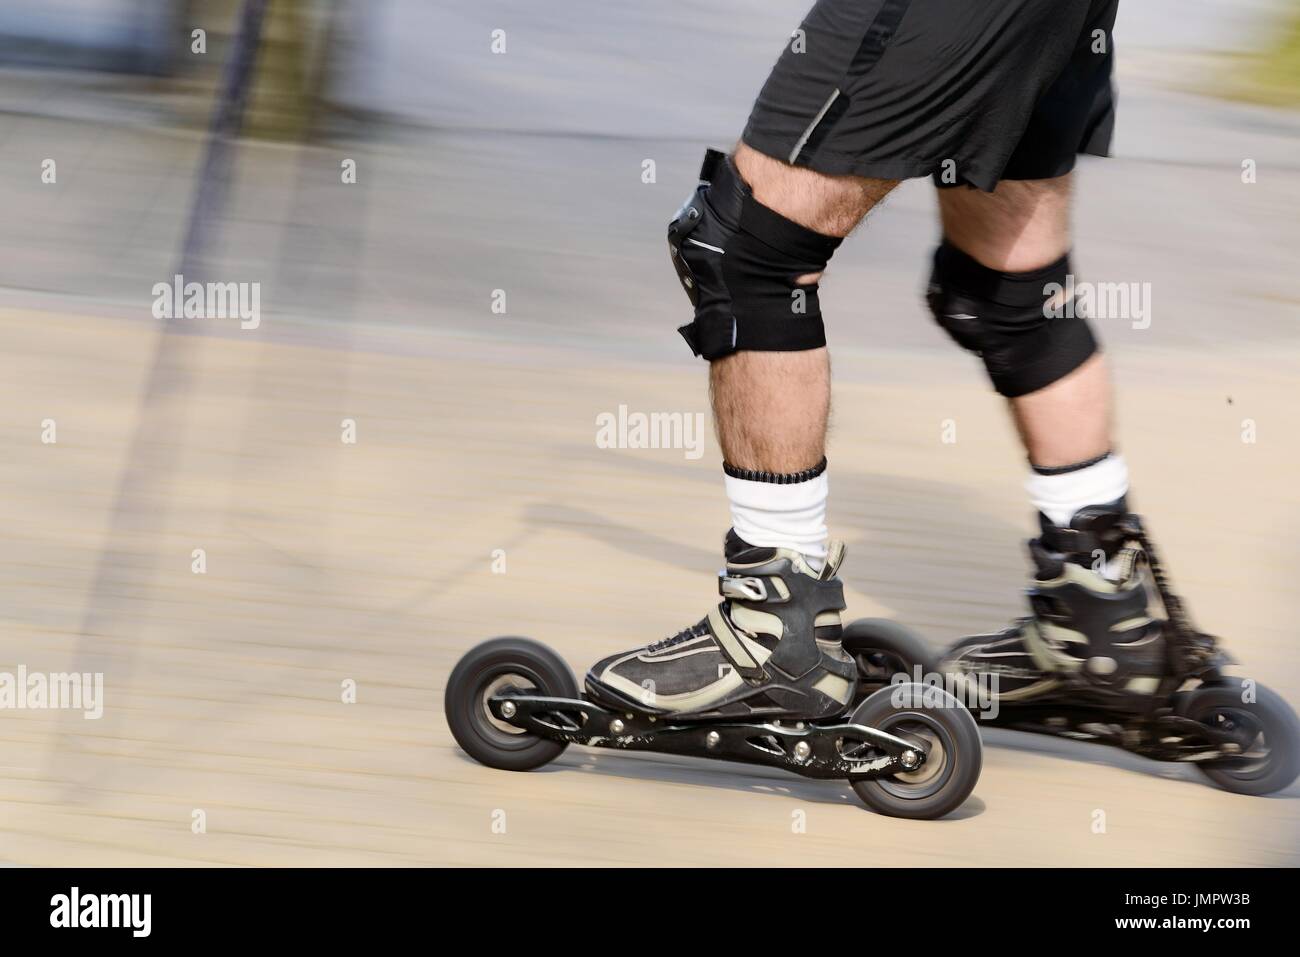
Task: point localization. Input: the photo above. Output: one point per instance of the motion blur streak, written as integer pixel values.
(457, 240)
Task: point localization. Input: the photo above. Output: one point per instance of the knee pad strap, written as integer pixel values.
(738, 261)
(1013, 321)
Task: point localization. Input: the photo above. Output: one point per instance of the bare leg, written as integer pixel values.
(1025, 225)
(771, 408)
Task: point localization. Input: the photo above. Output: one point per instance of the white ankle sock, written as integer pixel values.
(1060, 495)
(772, 515)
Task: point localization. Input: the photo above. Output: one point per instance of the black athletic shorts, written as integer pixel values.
(969, 91)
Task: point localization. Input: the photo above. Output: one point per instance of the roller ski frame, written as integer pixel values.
(512, 703)
(1197, 714)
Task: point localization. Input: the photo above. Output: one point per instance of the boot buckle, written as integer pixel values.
(745, 589)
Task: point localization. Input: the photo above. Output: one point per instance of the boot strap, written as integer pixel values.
(732, 647)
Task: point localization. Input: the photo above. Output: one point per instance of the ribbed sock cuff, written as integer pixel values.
(775, 478)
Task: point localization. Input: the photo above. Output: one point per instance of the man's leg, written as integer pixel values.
(749, 246)
(1023, 226)
(1020, 229)
(1003, 254)
(770, 408)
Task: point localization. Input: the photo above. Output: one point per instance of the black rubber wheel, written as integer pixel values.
(498, 665)
(940, 724)
(884, 648)
(1266, 728)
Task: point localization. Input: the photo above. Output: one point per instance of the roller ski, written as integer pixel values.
(763, 679)
(1092, 662)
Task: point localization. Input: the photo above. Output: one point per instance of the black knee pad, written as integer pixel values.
(1027, 337)
(738, 261)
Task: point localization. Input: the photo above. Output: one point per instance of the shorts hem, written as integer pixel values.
(842, 164)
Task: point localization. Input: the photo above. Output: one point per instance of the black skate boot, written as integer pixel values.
(770, 648)
(1109, 655)
(1091, 639)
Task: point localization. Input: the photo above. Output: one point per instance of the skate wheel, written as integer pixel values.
(954, 755)
(1266, 729)
(883, 649)
(492, 668)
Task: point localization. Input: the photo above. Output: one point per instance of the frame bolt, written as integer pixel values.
(802, 751)
(616, 726)
(712, 738)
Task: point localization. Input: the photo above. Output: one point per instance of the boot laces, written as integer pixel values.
(697, 630)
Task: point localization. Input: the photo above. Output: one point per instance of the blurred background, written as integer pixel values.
(454, 215)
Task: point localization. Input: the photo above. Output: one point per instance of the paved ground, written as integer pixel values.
(373, 562)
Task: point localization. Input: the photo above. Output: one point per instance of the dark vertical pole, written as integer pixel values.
(122, 583)
(227, 118)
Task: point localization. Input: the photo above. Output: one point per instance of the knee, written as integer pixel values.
(750, 272)
(1018, 323)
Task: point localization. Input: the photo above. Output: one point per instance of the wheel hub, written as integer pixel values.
(505, 684)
